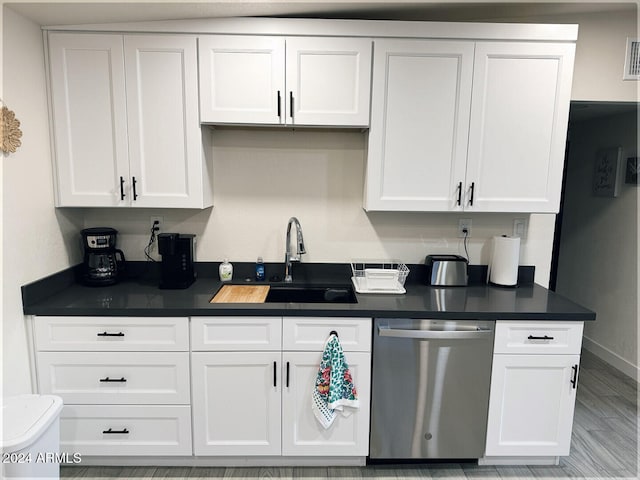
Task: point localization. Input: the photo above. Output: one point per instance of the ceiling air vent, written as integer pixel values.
(632, 60)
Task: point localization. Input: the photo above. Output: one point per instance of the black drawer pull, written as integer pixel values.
(134, 182)
(275, 375)
(473, 188)
(287, 374)
(574, 380)
(546, 337)
(110, 431)
(107, 379)
(122, 188)
(107, 334)
(459, 201)
(291, 104)
(279, 105)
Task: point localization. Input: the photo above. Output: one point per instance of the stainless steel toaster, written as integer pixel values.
(446, 270)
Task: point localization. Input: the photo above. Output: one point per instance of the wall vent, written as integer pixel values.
(632, 60)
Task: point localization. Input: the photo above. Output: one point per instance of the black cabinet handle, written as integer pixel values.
(124, 430)
(574, 380)
(287, 374)
(459, 202)
(275, 375)
(279, 105)
(291, 104)
(135, 194)
(107, 334)
(122, 188)
(473, 187)
(107, 379)
(531, 337)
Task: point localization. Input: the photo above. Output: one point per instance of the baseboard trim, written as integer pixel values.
(612, 358)
(239, 461)
(519, 461)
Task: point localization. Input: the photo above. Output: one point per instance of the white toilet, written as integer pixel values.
(31, 436)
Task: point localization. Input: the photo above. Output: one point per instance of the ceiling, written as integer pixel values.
(79, 12)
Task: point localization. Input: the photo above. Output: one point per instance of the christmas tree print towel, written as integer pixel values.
(334, 388)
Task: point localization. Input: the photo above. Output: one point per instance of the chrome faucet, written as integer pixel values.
(288, 257)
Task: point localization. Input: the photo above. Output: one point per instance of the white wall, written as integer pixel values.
(599, 244)
(263, 177)
(36, 237)
(600, 53)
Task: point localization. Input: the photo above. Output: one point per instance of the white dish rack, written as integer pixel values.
(379, 276)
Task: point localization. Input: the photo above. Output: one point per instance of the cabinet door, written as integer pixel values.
(519, 116)
(302, 434)
(89, 119)
(419, 125)
(164, 132)
(531, 405)
(236, 401)
(241, 79)
(328, 81)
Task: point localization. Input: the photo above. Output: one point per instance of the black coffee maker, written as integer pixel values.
(101, 263)
(178, 254)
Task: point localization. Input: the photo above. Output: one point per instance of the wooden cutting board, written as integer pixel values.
(241, 294)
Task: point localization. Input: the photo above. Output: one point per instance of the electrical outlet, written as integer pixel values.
(160, 221)
(464, 224)
(520, 227)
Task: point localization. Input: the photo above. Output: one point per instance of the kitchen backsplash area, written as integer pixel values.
(263, 177)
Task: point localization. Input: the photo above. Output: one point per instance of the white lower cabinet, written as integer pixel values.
(256, 400)
(236, 403)
(533, 389)
(301, 432)
(124, 382)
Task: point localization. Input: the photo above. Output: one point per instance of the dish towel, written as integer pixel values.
(334, 388)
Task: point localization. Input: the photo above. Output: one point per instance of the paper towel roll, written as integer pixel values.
(503, 266)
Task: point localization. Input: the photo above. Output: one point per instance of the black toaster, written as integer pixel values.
(446, 270)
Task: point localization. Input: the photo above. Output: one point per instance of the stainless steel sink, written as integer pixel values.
(294, 294)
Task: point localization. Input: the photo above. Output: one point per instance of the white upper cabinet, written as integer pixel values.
(241, 79)
(419, 125)
(328, 81)
(473, 126)
(125, 121)
(285, 81)
(89, 118)
(165, 142)
(519, 118)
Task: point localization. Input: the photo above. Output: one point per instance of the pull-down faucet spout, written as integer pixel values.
(288, 257)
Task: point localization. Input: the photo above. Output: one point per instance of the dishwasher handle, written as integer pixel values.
(385, 331)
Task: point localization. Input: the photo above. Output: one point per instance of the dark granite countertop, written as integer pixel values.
(139, 295)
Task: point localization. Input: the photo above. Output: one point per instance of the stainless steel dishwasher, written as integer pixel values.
(430, 388)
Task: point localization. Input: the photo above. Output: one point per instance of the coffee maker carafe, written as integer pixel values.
(101, 263)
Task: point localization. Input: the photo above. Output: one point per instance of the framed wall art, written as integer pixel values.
(607, 171)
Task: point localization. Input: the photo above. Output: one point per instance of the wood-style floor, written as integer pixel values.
(604, 446)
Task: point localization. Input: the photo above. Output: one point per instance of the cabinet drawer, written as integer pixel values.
(145, 430)
(310, 334)
(115, 378)
(236, 333)
(538, 337)
(111, 334)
